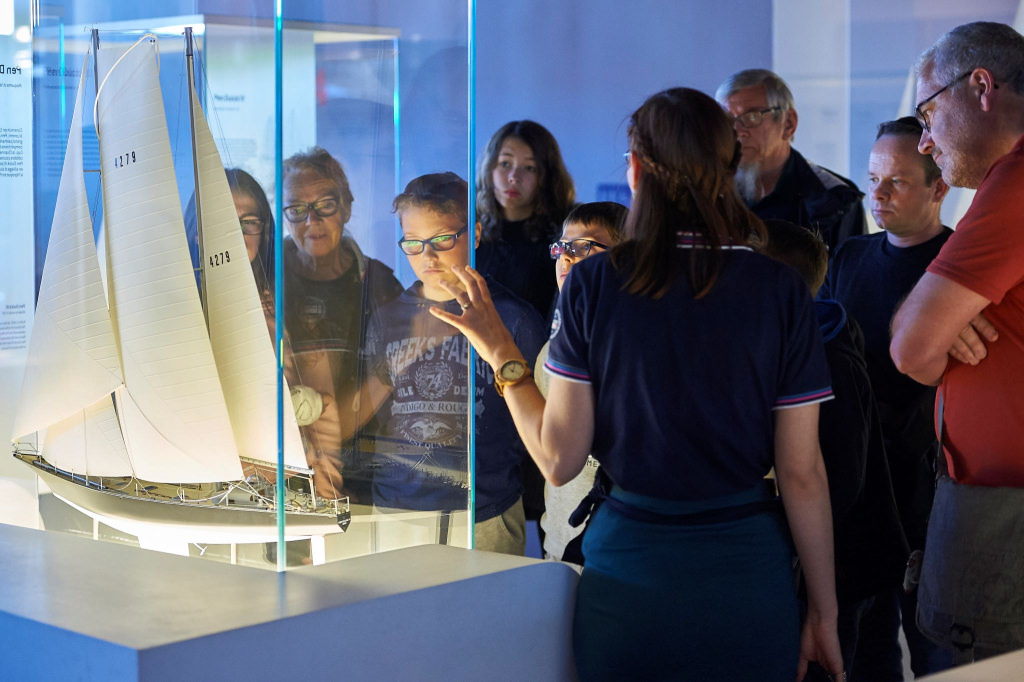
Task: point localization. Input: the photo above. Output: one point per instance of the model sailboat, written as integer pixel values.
(147, 415)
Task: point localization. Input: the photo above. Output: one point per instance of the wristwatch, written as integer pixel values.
(510, 373)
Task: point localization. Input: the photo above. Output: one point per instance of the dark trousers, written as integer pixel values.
(879, 656)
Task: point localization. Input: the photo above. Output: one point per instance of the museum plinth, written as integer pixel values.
(74, 608)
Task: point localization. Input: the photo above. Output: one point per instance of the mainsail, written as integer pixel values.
(238, 325)
(166, 359)
(72, 359)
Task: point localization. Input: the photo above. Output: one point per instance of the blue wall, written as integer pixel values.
(580, 68)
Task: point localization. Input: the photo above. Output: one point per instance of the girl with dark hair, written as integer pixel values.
(523, 193)
(257, 221)
(689, 365)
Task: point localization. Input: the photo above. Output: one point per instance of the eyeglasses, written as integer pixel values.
(577, 248)
(441, 242)
(754, 117)
(251, 226)
(326, 207)
(925, 117)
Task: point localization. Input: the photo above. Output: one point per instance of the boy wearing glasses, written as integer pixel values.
(416, 368)
(589, 230)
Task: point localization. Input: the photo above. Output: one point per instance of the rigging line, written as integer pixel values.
(96, 104)
(212, 117)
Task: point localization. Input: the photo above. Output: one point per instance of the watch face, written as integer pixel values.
(512, 370)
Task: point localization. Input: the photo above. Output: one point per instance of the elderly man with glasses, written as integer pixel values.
(774, 179)
(970, 93)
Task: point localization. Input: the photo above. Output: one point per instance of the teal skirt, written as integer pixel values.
(714, 601)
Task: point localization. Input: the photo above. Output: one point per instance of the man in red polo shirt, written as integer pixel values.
(970, 92)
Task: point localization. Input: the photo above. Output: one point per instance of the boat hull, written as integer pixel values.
(176, 521)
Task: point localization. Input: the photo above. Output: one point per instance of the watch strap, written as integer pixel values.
(500, 384)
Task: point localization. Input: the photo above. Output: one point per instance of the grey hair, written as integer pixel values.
(776, 91)
(982, 44)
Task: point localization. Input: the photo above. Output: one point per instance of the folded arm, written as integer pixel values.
(928, 324)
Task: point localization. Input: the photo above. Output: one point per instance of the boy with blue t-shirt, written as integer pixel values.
(419, 365)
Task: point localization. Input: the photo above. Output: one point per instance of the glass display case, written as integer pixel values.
(230, 348)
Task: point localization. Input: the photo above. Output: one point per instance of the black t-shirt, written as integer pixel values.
(326, 323)
(685, 388)
(520, 264)
(870, 277)
(330, 317)
(325, 316)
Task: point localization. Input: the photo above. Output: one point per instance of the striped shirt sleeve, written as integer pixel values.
(809, 398)
(566, 372)
(805, 378)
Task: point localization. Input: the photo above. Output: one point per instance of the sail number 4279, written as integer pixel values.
(124, 159)
(220, 259)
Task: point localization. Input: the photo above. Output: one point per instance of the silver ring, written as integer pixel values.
(467, 306)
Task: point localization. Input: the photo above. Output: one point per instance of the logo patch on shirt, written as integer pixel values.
(433, 380)
(556, 324)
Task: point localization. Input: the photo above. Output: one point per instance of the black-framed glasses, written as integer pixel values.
(577, 248)
(754, 117)
(925, 117)
(251, 226)
(326, 207)
(440, 242)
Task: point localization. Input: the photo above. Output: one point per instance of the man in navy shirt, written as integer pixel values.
(869, 276)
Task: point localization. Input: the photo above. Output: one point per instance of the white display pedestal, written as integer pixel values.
(73, 608)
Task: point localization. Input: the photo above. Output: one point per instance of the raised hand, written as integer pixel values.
(479, 320)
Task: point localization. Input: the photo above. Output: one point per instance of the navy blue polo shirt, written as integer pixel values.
(685, 388)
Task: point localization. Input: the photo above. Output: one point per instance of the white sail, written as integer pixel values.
(89, 442)
(72, 359)
(154, 458)
(166, 359)
(241, 343)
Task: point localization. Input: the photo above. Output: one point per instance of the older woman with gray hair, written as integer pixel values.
(330, 290)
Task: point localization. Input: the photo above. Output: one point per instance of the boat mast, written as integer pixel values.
(96, 63)
(189, 66)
